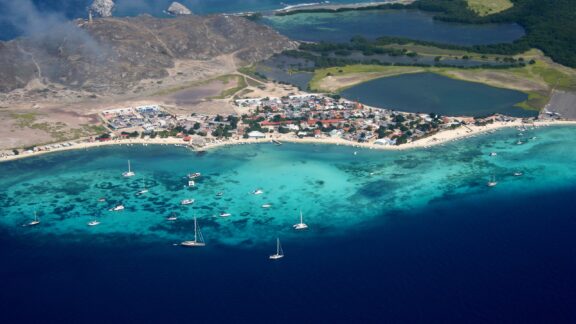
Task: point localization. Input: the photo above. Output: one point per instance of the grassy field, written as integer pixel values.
(537, 80)
(240, 84)
(488, 7)
(424, 50)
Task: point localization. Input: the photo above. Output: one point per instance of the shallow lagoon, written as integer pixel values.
(334, 188)
(429, 92)
(371, 24)
(414, 236)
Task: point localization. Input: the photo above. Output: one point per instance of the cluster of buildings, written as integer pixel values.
(309, 115)
(148, 118)
(322, 116)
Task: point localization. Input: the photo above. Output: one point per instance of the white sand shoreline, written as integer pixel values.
(442, 137)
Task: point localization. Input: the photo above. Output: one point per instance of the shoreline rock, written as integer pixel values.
(177, 9)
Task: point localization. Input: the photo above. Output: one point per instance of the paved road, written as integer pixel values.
(563, 103)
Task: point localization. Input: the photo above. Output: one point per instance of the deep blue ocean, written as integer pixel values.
(395, 237)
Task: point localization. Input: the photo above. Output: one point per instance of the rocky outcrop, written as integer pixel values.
(102, 8)
(176, 9)
(115, 54)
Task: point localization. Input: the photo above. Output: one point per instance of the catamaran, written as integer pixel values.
(279, 253)
(36, 221)
(198, 238)
(301, 225)
(187, 202)
(128, 173)
(492, 182)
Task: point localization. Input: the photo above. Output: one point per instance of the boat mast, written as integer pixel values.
(300, 216)
(277, 246)
(195, 229)
(128, 165)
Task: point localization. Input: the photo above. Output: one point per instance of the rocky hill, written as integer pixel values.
(113, 55)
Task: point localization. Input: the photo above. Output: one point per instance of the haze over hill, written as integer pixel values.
(114, 55)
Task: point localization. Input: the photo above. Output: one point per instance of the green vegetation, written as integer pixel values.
(549, 25)
(58, 131)
(489, 7)
(240, 85)
(25, 119)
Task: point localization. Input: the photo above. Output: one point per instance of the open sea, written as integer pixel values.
(395, 237)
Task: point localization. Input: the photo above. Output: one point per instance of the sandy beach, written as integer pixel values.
(442, 137)
(329, 6)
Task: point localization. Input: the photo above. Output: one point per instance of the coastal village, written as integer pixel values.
(289, 118)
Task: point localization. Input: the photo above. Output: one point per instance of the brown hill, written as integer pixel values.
(117, 55)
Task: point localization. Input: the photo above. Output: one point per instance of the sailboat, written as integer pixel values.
(93, 222)
(143, 191)
(492, 182)
(198, 238)
(172, 217)
(36, 221)
(128, 173)
(279, 253)
(301, 225)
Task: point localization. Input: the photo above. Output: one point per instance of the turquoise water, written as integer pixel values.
(335, 189)
(429, 92)
(341, 27)
(414, 236)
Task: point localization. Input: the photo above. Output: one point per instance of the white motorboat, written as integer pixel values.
(128, 173)
(518, 174)
(493, 153)
(191, 183)
(225, 214)
(257, 192)
(301, 225)
(117, 208)
(266, 205)
(172, 217)
(93, 223)
(198, 238)
(219, 194)
(187, 202)
(194, 175)
(279, 252)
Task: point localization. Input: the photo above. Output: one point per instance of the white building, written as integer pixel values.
(256, 134)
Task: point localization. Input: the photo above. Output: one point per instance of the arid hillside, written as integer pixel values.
(122, 55)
